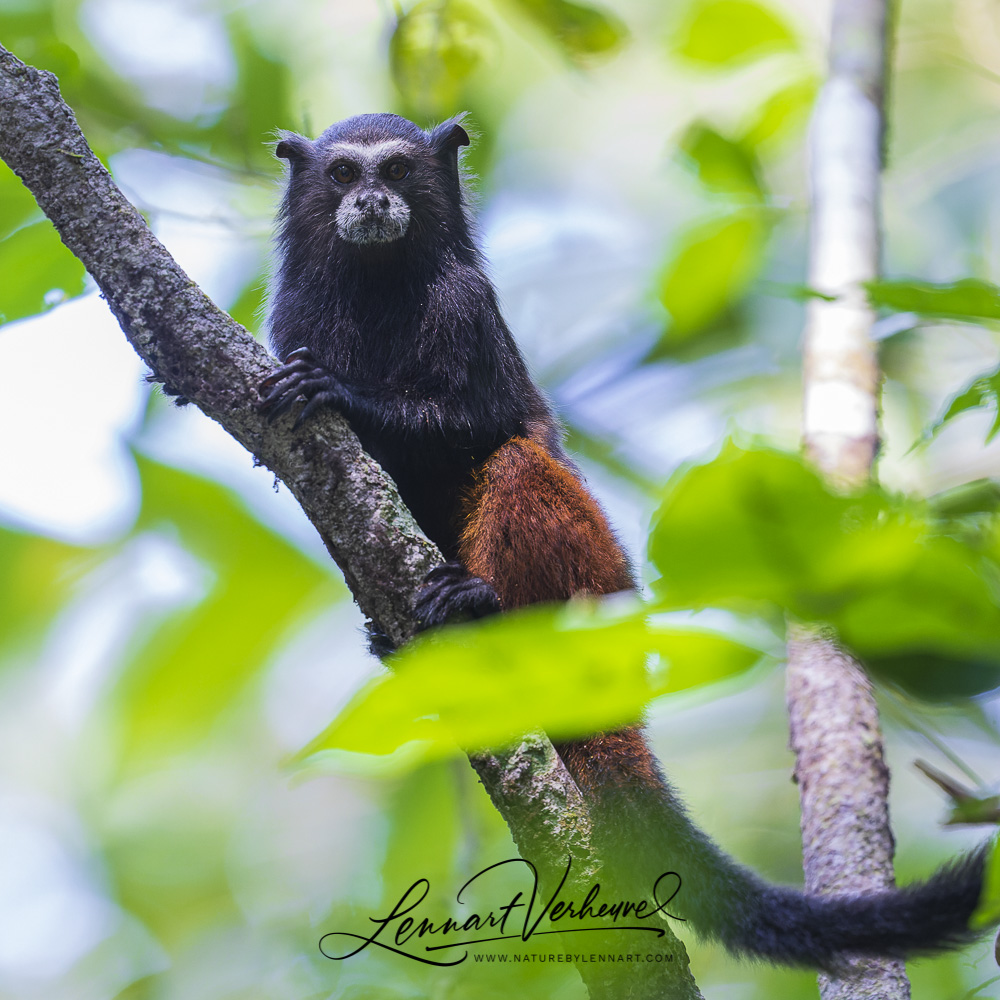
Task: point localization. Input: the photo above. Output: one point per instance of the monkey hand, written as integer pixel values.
(450, 593)
(301, 375)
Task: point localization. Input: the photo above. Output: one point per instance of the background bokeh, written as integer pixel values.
(171, 630)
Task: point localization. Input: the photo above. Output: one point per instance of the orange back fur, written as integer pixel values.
(533, 532)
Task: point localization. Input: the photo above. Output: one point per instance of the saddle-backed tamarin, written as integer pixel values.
(382, 309)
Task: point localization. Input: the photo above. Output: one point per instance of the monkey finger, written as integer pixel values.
(449, 571)
(323, 398)
(301, 354)
(450, 593)
(289, 390)
(291, 383)
(280, 404)
(285, 371)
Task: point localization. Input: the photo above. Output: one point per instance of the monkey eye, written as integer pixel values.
(344, 173)
(396, 170)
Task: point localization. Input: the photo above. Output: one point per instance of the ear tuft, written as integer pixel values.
(292, 147)
(448, 136)
(454, 135)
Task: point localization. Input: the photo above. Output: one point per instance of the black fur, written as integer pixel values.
(450, 594)
(729, 903)
(406, 338)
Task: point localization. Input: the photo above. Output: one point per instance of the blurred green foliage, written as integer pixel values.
(988, 912)
(195, 663)
(714, 263)
(970, 300)
(523, 665)
(911, 596)
(580, 30)
(167, 784)
(435, 46)
(721, 33)
(39, 576)
(30, 247)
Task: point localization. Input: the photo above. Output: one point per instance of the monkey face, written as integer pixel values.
(370, 182)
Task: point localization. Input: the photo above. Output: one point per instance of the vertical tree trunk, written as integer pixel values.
(842, 777)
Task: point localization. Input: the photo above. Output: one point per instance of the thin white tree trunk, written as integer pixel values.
(840, 769)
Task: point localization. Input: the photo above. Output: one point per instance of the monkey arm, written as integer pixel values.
(385, 407)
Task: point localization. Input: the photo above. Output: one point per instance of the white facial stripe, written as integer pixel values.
(368, 155)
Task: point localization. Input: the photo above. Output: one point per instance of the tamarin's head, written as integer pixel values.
(372, 179)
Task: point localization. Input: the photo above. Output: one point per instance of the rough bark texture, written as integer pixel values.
(847, 843)
(840, 767)
(202, 354)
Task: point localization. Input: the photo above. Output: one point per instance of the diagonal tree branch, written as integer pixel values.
(204, 355)
(840, 768)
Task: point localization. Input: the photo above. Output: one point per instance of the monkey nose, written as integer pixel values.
(372, 200)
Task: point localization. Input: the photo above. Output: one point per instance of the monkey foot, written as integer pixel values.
(178, 398)
(300, 376)
(450, 593)
(379, 644)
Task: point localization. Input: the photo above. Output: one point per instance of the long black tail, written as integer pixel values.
(641, 818)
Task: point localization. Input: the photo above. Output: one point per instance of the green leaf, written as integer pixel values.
(974, 809)
(784, 113)
(983, 392)
(248, 308)
(713, 266)
(579, 29)
(969, 299)
(436, 46)
(424, 826)
(746, 527)
(261, 100)
(196, 663)
(17, 205)
(722, 164)
(693, 658)
(988, 911)
(486, 683)
(795, 292)
(726, 33)
(47, 273)
(39, 576)
(980, 496)
(758, 530)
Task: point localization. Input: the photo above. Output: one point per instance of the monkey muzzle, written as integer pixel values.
(371, 217)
